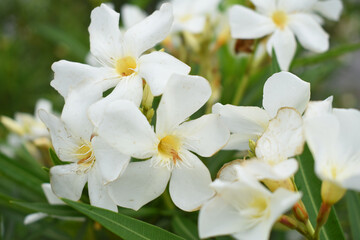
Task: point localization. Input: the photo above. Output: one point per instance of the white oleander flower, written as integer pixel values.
(121, 55)
(91, 159)
(53, 200)
(244, 209)
(333, 138)
(27, 126)
(282, 20)
(281, 90)
(169, 149)
(191, 15)
(277, 129)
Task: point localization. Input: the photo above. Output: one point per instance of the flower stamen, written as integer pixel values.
(125, 66)
(280, 19)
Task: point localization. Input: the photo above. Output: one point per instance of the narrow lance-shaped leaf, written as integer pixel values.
(185, 227)
(331, 54)
(55, 210)
(353, 206)
(310, 186)
(123, 226)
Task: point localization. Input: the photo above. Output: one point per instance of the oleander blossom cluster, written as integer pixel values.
(112, 136)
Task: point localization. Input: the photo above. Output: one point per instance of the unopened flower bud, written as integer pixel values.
(300, 212)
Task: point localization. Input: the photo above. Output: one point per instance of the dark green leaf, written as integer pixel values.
(332, 53)
(9, 168)
(353, 206)
(275, 67)
(123, 226)
(310, 186)
(55, 210)
(54, 158)
(185, 227)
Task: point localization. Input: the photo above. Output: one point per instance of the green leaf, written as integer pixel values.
(9, 168)
(185, 227)
(54, 158)
(55, 210)
(123, 226)
(275, 67)
(353, 206)
(310, 186)
(332, 53)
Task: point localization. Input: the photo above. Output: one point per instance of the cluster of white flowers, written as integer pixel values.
(127, 160)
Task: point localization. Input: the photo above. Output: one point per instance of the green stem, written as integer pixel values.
(243, 85)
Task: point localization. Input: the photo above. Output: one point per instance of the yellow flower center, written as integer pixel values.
(169, 147)
(260, 205)
(280, 18)
(85, 156)
(125, 66)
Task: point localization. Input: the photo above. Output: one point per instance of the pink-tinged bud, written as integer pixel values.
(300, 213)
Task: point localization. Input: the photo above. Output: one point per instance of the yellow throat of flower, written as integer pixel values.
(261, 206)
(280, 18)
(85, 156)
(125, 66)
(169, 147)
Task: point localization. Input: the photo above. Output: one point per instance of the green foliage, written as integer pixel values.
(121, 225)
(353, 208)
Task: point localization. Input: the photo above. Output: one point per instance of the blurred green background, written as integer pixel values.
(36, 33)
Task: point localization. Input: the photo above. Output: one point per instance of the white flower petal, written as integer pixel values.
(243, 122)
(349, 134)
(262, 170)
(284, 44)
(194, 25)
(131, 15)
(282, 200)
(140, 184)
(105, 36)
(74, 113)
(321, 136)
(66, 182)
(284, 89)
(31, 218)
(205, 135)
(126, 129)
(62, 140)
(67, 75)
(248, 24)
(240, 141)
(152, 30)
(190, 186)
(283, 138)
(330, 9)
(264, 7)
(183, 96)
(352, 182)
(291, 6)
(217, 217)
(111, 162)
(309, 32)
(317, 108)
(157, 67)
(127, 89)
(229, 172)
(49, 194)
(98, 192)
